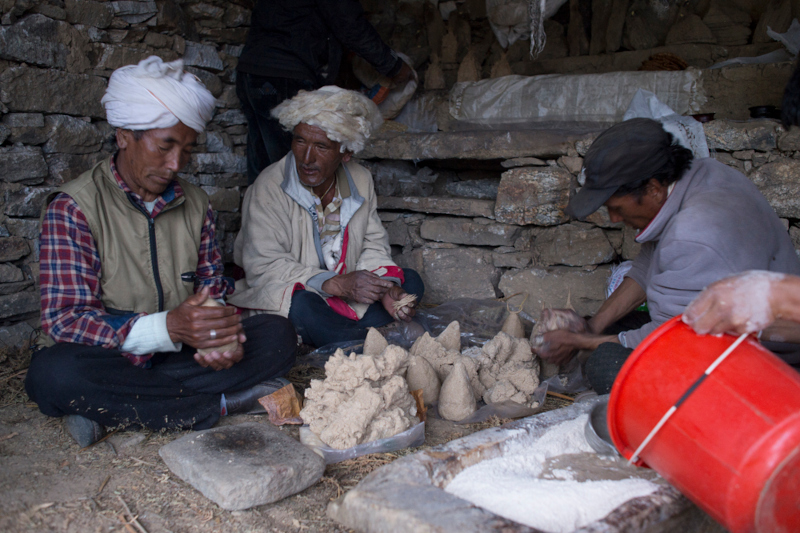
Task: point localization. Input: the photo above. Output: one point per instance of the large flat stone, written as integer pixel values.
(759, 134)
(244, 465)
(72, 135)
(34, 40)
(22, 164)
(26, 201)
(213, 163)
(89, 13)
(30, 89)
(62, 168)
(471, 145)
(583, 289)
(13, 248)
(203, 56)
(778, 182)
(482, 232)
(441, 205)
(533, 196)
(408, 495)
(575, 244)
(19, 304)
(17, 337)
(450, 273)
(10, 274)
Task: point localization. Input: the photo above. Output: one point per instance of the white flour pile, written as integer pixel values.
(511, 485)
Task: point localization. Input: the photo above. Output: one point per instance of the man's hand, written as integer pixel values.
(193, 324)
(361, 286)
(394, 294)
(403, 75)
(220, 361)
(559, 346)
(739, 304)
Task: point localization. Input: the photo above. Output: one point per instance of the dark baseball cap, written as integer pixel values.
(625, 153)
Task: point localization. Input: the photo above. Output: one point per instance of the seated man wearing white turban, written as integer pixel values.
(311, 244)
(131, 280)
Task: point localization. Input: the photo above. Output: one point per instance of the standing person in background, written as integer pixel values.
(294, 45)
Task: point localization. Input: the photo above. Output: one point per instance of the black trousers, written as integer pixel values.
(175, 392)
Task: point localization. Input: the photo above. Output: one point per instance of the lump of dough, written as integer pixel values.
(375, 343)
(513, 326)
(456, 401)
(450, 338)
(421, 375)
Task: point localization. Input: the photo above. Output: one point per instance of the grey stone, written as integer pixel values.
(397, 230)
(511, 260)
(630, 248)
(601, 218)
(554, 287)
(616, 239)
(23, 227)
(744, 155)
(226, 180)
(230, 118)
(5, 132)
(759, 134)
(12, 288)
(22, 164)
(34, 40)
(51, 11)
(134, 12)
(10, 274)
(789, 141)
(71, 135)
(469, 145)
(440, 205)
(114, 56)
(572, 163)
(24, 120)
(203, 10)
(66, 167)
(463, 231)
(794, 233)
(233, 51)
(244, 465)
(26, 201)
(729, 160)
(26, 128)
(575, 244)
(20, 336)
(218, 141)
(223, 199)
(523, 162)
(778, 181)
(480, 189)
(158, 40)
(451, 273)
(88, 13)
(30, 89)
(19, 304)
(203, 56)
(401, 177)
(533, 196)
(219, 163)
(229, 221)
(236, 16)
(211, 81)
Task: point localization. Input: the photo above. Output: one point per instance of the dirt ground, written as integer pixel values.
(48, 483)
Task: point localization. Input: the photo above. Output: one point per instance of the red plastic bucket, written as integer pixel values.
(733, 446)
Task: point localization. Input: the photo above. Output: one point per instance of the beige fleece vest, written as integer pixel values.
(141, 266)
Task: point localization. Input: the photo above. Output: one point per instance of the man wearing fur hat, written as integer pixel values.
(311, 244)
(131, 279)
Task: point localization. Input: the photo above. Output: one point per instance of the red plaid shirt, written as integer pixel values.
(72, 310)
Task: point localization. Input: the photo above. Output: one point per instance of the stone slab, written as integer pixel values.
(22, 164)
(583, 289)
(440, 205)
(17, 337)
(731, 136)
(575, 244)
(474, 233)
(778, 182)
(13, 248)
(471, 145)
(408, 495)
(28, 89)
(19, 304)
(533, 195)
(241, 466)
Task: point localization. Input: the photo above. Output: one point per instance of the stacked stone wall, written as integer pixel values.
(55, 60)
(505, 232)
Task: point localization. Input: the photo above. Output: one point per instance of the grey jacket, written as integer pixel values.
(715, 223)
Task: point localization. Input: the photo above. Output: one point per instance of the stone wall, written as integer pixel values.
(55, 59)
(483, 227)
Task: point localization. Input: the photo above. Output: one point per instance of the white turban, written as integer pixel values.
(154, 94)
(345, 116)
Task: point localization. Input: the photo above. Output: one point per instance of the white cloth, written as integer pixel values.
(155, 94)
(346, 117)
(149, 334)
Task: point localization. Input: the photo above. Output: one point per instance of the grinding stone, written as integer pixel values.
(241, 466)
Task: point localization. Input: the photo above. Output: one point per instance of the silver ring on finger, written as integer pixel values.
(213, 333)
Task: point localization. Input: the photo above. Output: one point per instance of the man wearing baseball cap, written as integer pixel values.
(698, 221)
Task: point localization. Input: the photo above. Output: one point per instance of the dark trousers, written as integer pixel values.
(606, 361)
(320, 325)
(175, 392)
(267, 141)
